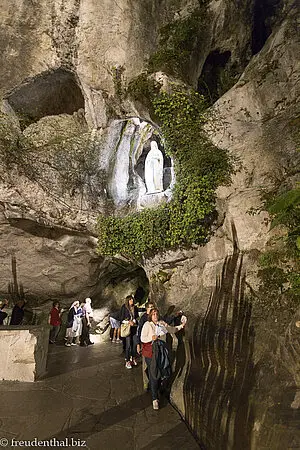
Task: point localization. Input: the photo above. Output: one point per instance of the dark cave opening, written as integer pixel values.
(140, 293)
(116, 278)
(50, 93)
(216, 78)
(264, 14)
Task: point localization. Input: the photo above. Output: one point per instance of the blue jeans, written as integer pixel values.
(54, 332)
(131, 343)
(153, 383)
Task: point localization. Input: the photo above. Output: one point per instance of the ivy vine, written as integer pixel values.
(200, 167)
(280, 263)
(178, 40)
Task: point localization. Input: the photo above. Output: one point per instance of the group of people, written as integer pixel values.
(146, 336)
(17, 314)
(78, 324)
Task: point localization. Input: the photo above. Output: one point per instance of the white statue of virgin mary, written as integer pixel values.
(154, 166)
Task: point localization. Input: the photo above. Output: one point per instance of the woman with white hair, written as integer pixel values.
(87, 315)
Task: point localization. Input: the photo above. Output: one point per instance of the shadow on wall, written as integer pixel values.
(220, 377)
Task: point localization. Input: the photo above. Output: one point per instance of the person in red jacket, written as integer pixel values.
(55, 321)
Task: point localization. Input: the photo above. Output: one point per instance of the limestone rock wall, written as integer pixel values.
(89, 39)
(256, 124)
(58, 263)
(101, 45)
(61, 178)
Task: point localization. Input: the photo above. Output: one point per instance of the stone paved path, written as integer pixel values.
(88, 395)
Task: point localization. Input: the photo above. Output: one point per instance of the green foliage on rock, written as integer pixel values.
(182, 116)
(143, 89)
(280, 265)
(177, 42)
(14, 150)
(117, 73)
(285, 210)
(57, 152)
(133, 235)
(200, 167)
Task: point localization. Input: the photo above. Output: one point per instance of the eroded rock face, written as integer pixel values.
(257, 117)
(102, 46)
(63, 175)
(60, 263)
(89, 40)
(256, 124)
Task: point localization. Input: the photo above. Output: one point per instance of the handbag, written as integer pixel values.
(147, 349)
(125, 329)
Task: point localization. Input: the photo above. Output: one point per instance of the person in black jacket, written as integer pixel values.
(87, 317)
(17, 314)
(129, 314)
(114, 319)
(70, 330)
(3, 314)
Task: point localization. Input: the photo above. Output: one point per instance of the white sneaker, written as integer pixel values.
(113, 340)
(67, 345)
(73, 343)
(155, 404)
(128, 365)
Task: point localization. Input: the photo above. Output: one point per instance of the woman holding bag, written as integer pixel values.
(154, 350)
(129, 317)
